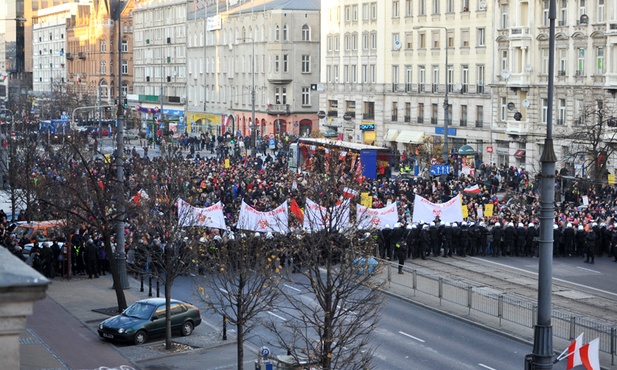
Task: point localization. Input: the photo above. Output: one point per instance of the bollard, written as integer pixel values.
(141, 287)
(500, 308)
(440, 290)
(414, 279)
(157, 289)
(572, 327)
(149, 285)
(469, 297)
(612, 346)
(224, 327)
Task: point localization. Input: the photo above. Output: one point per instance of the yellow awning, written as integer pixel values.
(391, 135)
(410, 137)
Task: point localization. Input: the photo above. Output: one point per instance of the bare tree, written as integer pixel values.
(332, 330)
(593, 137)
(165, 239)
(242, 273)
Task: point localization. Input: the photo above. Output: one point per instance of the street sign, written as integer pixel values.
(442, 169)
(433, 161)
(489, 149)
(313, 87)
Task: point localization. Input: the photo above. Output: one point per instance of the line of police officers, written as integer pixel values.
(470, 238)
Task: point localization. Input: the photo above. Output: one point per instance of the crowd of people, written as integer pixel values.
(584, 223)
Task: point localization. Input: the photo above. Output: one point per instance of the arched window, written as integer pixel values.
(285, 35)
(306, 33)
(277, 33)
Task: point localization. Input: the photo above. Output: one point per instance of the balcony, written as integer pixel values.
(394, 87)
(333, 113)
(407, 118)
(463, 123)
(611, 28)
(394, 118)
(407, 87)
(517, 128)
(434, 120)
(420, 119)
(69, 56)
(278, 109)
(519, 80)
(610, 82)
(517, 33)
(479, 124)
(370, 116)
(81, 55)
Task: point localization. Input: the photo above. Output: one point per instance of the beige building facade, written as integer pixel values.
(384, 73)
(270, 48)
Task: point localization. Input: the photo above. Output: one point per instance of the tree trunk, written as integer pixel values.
(168, 282)
(120, 297)
(240, 346)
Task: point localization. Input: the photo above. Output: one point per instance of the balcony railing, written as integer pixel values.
(420, 119)
(408, 87)
(368, 116)
(81, 55)
(407, 118)
(434, 120)
(463, 122)
(394, 87)
(278, 108)
(479, 123)
(69, 56)
(394, 118)
(421, 88)
(332, 113)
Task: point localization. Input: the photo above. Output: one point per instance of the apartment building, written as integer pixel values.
(159, 54)
(266, 51)
(386, 77)
(585, 77)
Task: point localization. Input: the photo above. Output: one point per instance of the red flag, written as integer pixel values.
(359, 171)
(296, 210)
(349, 193)
(574, 358)
(473, 189)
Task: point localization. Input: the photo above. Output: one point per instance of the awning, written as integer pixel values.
(391, 135)
(519, 154)
(410, 137)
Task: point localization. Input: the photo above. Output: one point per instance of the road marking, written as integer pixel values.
(554, 278)
(345, 310)
(277, 316)
(486, 367)
(411, 336)
(590, 270)
(223, 290)
(290, 287)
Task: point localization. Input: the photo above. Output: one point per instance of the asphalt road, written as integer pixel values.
(408, 337)
(599, 277)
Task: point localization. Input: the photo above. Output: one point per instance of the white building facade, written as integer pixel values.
(270, 49)
(384, 70)
(585, 76)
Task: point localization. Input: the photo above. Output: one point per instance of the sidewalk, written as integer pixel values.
(61, 334)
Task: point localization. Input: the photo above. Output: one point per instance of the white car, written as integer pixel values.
(132, 134)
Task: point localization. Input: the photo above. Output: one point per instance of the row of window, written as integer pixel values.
(230, 37)
(277, 63)
(103, 46)
(369, 10)
(242, 95)
(425, 39)
(561, 109)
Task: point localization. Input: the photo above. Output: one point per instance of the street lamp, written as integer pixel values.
(446, 125)
(252, 90)
(12, 117)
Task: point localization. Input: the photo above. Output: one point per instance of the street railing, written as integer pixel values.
(494, 305)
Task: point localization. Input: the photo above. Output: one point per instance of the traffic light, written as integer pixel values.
(125, 102)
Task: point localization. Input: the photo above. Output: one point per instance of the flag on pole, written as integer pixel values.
(590, 355)
(350, 193)
(296, 210)
(572, 352)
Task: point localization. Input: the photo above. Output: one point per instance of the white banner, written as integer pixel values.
(275, 221)
(201, 217)
(317, 217)
(376, 218)
(426, 211)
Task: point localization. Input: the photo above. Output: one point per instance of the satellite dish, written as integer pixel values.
(505, 74)
(458, 87)
(396, 45)
(511, 106)
(526, 103)
(482, 5)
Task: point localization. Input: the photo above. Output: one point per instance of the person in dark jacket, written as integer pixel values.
(579, 239)
(496, 244)
(614, 241)
(463, 240)
(435, 240)
(446, 235)
(400, 247)
(411, 239)
(90, 257)
(509, 238)
(425, 240)
(531, 241)
(456, 235)
(606, 240)
(568, 240)
(482, 238)
(386, 233)
(396, 241)
(591, 246)
(46, 258)
(521, 236)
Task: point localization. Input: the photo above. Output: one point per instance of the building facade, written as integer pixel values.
(267, 52)
(585, 77)
(386, 75)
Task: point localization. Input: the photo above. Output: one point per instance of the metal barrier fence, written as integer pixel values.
(497, 304)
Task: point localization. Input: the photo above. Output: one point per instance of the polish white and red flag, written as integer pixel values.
(578, 354)
(350, 193)
(475, 189)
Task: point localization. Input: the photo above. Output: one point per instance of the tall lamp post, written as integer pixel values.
(542, 357)
(12, 117)
(116, 13)
(252, 91)
(446, 124)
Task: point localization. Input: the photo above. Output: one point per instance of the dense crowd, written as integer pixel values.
(584, 223)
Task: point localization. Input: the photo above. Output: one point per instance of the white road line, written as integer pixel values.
(223, 290)
(556, 279)
(486, 367)
(277, 316)
(345, 310)
(590, 270)
(412, 337)
(290, 287)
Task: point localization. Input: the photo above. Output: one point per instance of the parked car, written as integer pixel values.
(146, 318)
(131, 134)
